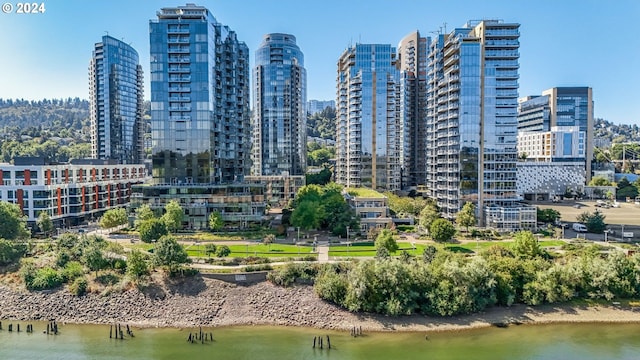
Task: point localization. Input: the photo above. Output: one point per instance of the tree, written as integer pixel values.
(13, 222)
(152, 229)
(429, 214)
(268, 240)
(599, 181)
(94, 259)
(321, 178)
(210, 249)
(467, 216)
(215, 221)
(173, 216)
(307, 215)
(442, 230)
(595, 223)
(548, 215)
(526, 245)
(144, 213)
(625, 189)
(385, 240)
(10, 251)
(44, 223)
(170, 254)
(113, 218)
(137, 266)
(429, 253)
(223, 251)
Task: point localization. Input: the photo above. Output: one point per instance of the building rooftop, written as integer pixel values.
(364, 192)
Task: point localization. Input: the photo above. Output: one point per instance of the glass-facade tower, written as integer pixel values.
(472, 125)
(367, 120)
(200, 116)
(412, 63)
(280, 119)
(116, 102)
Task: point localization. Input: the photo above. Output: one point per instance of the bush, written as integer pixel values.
(72, 270)
(79, 286)
(10, 251)
(46, 278)
(261, 267)
(291, 272)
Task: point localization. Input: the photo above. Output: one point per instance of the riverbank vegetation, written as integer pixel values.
(446, 283)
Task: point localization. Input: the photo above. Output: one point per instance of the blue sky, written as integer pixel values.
(563, 42)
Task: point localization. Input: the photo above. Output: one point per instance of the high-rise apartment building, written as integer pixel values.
(472, 94)
(412, 63)
(367, 120)
(200, 116)
(116, 102)
(280, 117)
(560, 107)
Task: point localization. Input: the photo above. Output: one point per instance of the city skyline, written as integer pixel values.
(559, 46)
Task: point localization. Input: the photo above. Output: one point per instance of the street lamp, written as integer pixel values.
(605, 235)
(563, 226)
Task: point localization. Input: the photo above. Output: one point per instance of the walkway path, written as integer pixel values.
(323, 253)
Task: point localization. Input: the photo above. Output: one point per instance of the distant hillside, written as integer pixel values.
(66, 118)
(616, 133)
(322, 124)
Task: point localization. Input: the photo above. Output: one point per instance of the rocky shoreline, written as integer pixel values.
(200, 301)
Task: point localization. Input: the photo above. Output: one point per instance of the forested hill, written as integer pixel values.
(622, 133)
(56, 115)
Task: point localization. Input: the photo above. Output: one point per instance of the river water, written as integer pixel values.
(561, 341)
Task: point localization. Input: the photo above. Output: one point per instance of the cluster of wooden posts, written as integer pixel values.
(199, 336)
(52, 328)
(10, 327)
(119, 334)
(318, 341)
(356, 331)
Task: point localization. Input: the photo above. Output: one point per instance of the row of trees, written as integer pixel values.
(624, 188)
(445, 283)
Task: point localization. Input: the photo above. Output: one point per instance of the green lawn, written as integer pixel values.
(370, 250)
(260, 250)
(472, 247)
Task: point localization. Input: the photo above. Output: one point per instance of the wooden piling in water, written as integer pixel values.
(328, 342)
(314, 342)
(10, 327)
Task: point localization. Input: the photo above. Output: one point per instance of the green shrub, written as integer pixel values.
(28, 272)
(291, 272)
(72, 270)
(79, 286)
(119, 264)
(11, 251)
(261, 267)
(63, 257)
(46, 278)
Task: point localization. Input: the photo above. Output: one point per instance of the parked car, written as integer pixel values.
(577, 227)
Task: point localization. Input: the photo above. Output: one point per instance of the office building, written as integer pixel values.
(200, 116)
(472, 93)
(116, 102)
(412, 63)
(560, 107)
(316, 106)
(280, 117)
(367, 120)
(69, 193)
(550, 162)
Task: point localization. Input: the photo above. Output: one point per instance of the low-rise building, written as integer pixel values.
(371, 207)
(68, 193)
(240, 204)
(279, 189)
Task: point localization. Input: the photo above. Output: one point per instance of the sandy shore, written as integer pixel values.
(207, 302)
